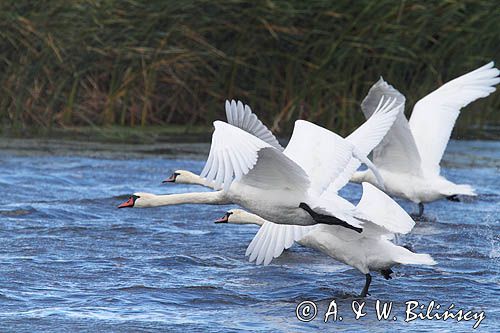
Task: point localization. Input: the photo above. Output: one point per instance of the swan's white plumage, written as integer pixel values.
(408, 157)
(367, 251)
(384, 211)
(322, 154)
(241, 116)
(434, 115)
(367, 137)
(384, 218)
(397, 151)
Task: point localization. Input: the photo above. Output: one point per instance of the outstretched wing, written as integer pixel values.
(235, 153)
(241, 116)
(397, 151)
(272, 239)
(368, 136)
(434, 115)
(322, 154)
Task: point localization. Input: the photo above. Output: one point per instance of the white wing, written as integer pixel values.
(322, 154)
(397, 151)
(235, 154)
(434, 115)
(383, 211)
(272, 239)
(241, 116)
(368, 136)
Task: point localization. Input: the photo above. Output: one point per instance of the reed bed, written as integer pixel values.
(156, 62)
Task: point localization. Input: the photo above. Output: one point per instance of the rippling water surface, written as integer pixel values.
(69, 260)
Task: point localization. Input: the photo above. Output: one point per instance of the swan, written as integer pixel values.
(258, 175)
(370, 251)
(409, 155)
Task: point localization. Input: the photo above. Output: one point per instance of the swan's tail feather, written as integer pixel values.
(379, 208)
(406, 257)
(459, 189)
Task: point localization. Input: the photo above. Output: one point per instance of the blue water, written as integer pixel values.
(70, 261)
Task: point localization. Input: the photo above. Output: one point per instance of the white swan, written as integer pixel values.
(370, 251)
(408, 157)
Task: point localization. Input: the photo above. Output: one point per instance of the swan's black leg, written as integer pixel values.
(454, 198)
(364, 292)
(420, 209)
(386, 273)
(327, 219)
(420, 215)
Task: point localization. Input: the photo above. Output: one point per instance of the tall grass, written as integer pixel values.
(153, 62)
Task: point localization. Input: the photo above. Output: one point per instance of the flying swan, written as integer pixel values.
(409, 155)
(371, 250)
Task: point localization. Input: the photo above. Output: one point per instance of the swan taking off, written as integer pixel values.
(409, 155)
(370, 251)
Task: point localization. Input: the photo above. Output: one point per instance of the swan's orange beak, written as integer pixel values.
(129, 203)
(223, 219)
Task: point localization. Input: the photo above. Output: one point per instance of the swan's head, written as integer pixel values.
(182, 177)
(138, 200)
(239, 216)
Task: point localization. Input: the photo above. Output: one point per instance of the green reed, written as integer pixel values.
(137, 62)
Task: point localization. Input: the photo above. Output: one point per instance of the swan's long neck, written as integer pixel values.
(203, 182)
(210, 198)
(250, 218)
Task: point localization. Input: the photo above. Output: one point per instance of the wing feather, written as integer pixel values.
(434, 115)
(241, 116)
(238, 155)
(368, 136)
(322, 154)
(272, 239)
(397, 151)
